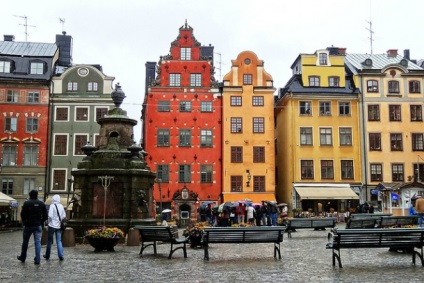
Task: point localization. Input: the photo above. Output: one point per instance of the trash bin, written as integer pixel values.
(133, 237)
(68, 237)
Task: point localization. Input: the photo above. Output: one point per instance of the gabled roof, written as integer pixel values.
(378, 61)
(13, 48)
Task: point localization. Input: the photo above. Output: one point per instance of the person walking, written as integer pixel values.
(250, 215)
(419, 208)
(55, 215)
(33, 215)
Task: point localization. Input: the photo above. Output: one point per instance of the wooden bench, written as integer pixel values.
(150, 235)
(368, 215)
(362, 223)
(316, 223)
(398, 238)
(398, 221)
(243, 235)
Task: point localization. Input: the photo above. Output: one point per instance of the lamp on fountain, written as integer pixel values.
(105, 184)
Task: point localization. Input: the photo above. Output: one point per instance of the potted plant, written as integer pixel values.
(104, 238)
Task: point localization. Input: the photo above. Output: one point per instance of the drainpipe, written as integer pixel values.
(364, 143)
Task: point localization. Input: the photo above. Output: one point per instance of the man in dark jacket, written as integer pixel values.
(33, 215)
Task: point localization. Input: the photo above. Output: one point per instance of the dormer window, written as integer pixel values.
(72, 86)
(37, 68)
(4, 67)
(334, 81)
(185, 54)
(323, 58)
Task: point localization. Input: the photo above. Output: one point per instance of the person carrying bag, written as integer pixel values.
(56, 220)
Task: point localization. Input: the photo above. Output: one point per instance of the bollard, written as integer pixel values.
(133, 237)
(44, 235)
(68, 237)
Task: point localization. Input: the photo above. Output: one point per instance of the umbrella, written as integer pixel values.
(166, 210)
(205, 203)
(282, 204)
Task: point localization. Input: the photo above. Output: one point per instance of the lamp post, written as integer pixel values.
(105, 184)
(160, 194)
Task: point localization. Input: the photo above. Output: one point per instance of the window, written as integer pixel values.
(80, 141)
(417, 142)
(60, 144)
(31, 125)
(344, 108)
(184, 174)
(174, 79)
(325, 108)
(397, 172)
(206, 106)
(419, 172)
(185, 137)
(376, 172)
(236, 154)
(206, 138)
(163, 137)
(258, 101)
(61, 114)
(416, 113)
(375, 141)
(235, 100)
(305, 108)
(10, 124)
(185, 106)
(395, 113)
(195, 80)
(37, 68)
(59, 179)
(162, 173)
(306, 136)
(185, 54)
(9, 154)
(347, 169)
(247, 79)
(81, 114)
(4, 67)
(373, 112)
(236, 183)
(92, 86)
(29, 185)
(372, 86)
(7, 186)
(259, 183)
(100, 113)
(258, 125)
(307, 169)
(30, 155)
(33, 97)
(12, 96)
(396, 142)
(206, 173)
(314, 81)
(236, 124)
(345, 136)
(414, 87)
(393, 86)
(72, 86)
(325, 136)
(164, 106)
(323, 58)
(334, 81)
(327, 169)
(258, 154)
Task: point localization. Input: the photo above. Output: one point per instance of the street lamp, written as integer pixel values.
(105, 184)
(160, 194)
(249, 176)
(70, 181)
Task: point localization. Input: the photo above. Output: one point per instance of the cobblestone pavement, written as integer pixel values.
(305, 259)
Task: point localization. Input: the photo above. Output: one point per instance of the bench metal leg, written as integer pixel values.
(337, 256)
(277, 249)
(206, 248)
(419, 254)
(143, 247)
(173, 250)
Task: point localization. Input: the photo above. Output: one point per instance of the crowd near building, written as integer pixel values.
(345, 129)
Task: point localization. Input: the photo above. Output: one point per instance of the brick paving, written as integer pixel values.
(305, 259)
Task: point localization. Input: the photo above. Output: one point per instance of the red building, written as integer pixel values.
(182, 126)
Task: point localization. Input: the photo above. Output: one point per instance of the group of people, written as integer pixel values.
(34, 215)
(417, 208)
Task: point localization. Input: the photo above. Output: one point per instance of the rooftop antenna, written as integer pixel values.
(62, 21)
(220, 67)
(25, 25)
(371, 34)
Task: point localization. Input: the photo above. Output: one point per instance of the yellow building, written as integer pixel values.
(248, 131)
(317, 134)
(393, 130)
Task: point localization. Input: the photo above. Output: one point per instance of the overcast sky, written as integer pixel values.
(123, 35)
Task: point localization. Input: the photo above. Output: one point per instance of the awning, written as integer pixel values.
(326, 193)
(5, 200)
(62, 201)
(254, 197)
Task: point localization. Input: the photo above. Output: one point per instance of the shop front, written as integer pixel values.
(396, 198)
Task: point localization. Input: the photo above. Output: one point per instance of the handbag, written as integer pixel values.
(63, 222)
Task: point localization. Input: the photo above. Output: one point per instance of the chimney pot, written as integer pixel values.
(392, 52)
(9, 37)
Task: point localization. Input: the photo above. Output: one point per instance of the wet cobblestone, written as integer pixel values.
(305, 259)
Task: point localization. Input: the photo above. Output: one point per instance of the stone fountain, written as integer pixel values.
(113, 186)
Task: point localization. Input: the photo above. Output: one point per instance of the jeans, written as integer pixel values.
(273, 217)
(420, 219)
(28, 231)
(58, 233)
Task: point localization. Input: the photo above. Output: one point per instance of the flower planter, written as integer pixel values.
(101, 244)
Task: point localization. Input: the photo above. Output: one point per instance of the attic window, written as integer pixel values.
(185, 54)
(323, 59)
(37, 68)
(4, 67)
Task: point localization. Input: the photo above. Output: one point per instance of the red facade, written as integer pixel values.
(182, 127)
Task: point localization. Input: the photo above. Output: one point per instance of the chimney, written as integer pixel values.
(9, 37)
(64, 42)
(342, 51)
(406, 54)
(392, 53)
